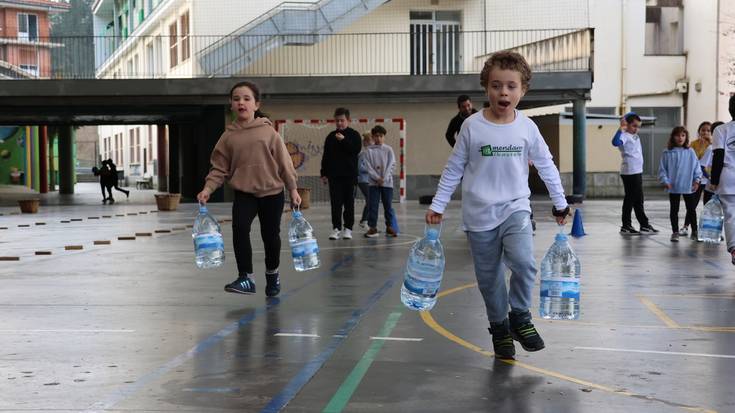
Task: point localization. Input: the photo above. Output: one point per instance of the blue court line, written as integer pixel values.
(125, 392)
(280, 400)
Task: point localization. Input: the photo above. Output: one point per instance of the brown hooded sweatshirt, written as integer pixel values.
(253, 158)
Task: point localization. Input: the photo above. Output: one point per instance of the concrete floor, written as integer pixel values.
(134, 326)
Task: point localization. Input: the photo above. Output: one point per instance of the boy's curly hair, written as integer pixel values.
(506, 60)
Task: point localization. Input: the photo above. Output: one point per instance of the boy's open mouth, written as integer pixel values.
(503, 103)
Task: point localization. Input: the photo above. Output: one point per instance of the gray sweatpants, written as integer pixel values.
(728, 208)
(510, 243)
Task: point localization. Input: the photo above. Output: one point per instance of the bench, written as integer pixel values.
(144, 183)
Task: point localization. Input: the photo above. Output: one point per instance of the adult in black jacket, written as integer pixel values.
(339, 169)
(464, 104)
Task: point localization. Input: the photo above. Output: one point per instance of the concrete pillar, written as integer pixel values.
(162, 158)
(174, 156)
(52, 133)
(211, 128)
(579, 132)
(42, 159)
(66, 159)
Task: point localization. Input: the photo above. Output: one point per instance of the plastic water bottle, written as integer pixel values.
(424, 272)
(560, 271)
(710, 224)
(209, 248)
(304, 249)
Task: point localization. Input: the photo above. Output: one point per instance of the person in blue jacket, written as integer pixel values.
(680, 173)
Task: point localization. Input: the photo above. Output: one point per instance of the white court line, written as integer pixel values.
(63, 331)
(671, 353)
(296, 335)
(397, 338)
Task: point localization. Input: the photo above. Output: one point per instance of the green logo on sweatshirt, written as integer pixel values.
(505, 150)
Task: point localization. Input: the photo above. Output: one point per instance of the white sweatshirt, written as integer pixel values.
(380, 162)
(491, 161)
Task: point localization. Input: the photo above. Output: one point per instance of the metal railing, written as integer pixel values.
(363, 54)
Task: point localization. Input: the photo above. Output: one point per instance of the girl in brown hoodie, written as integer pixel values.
(252, 157)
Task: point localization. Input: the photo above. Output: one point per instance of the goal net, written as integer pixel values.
(304, 139)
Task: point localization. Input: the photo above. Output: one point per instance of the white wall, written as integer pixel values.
(726, 60)
(220, 17)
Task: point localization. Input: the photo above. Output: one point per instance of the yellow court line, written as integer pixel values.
(429, 321)
(727, 296)
(670, 324)
(658, 312)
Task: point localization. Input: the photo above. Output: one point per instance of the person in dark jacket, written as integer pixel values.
(104, 173)
(339, 170)
(112, 179)
(464, 104)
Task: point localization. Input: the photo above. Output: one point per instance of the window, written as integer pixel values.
(435, 42)
(27, 27)
(173, 45)
(131, 143)
(137, 145)
(184, 42)
(664, 27)
(117, 149)
(150, 143)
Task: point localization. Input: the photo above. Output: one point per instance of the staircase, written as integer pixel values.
(287, 24)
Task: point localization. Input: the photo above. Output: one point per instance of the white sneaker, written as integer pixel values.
(335, 234)
(347, 233)
(363, 225)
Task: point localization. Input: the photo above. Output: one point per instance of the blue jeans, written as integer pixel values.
(510, 243)
(364, 188)
(377, 194)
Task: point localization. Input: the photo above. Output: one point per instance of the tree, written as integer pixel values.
(74, 30)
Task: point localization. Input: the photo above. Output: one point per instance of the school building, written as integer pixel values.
(665, 59)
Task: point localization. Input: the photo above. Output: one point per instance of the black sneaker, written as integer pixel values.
(242, 285)
(273, 285)
(502, 341)
(627, 230)
(527, 335)
(648, 229)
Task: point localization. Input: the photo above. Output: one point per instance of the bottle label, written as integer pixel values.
(208, 241)
(304, 248)
(713, 224)
(560, 288)
(422, 288)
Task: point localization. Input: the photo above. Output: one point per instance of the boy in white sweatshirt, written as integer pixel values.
(380, 161)
(490, 159)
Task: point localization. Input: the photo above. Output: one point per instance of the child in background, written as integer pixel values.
(631, 172)
(706, 163)
(490, 160)
(680, 172)
(363, 177)
(700, 146)
(380, 163)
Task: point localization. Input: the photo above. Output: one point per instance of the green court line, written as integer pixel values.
(348, 387)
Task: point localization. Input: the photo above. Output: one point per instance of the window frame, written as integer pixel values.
(173, 45)
(29, 36)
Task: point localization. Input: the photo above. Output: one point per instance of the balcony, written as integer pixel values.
(364, 54)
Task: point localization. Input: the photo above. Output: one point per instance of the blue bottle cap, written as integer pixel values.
(202, 209)
(297, 214)
(432, 234)
(561, 237)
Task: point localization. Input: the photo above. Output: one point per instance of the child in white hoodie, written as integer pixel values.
(490, 160)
